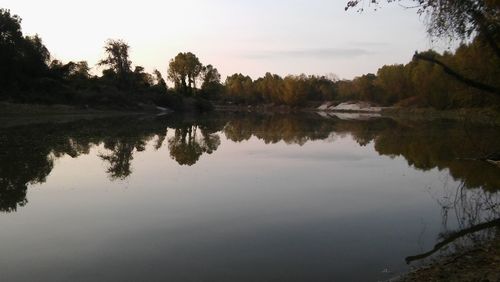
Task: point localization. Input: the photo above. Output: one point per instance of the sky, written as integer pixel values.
(236, 36)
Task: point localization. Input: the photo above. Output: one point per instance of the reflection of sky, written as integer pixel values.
(249, 210)
(251, 37)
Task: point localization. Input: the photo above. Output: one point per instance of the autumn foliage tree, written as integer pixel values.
(184, 70)
(463, 20)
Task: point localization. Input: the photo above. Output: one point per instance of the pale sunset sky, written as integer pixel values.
(236, 36)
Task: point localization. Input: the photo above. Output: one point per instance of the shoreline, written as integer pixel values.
(479, 263)
(487, 116)
(15, 109)
(472, 115)
(22, 114)
(37, 112)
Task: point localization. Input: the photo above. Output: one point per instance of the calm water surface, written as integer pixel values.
(238, 197)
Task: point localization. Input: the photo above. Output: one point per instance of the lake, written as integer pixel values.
(239, 197)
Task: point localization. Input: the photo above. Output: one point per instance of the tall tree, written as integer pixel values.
(211, 84)
(210, 75)
(23, 59)
(141, 78)
(241, 88)
(184, 70)
(294, 90)
(270, 88)
(160, 82)
(117, 58)
(10, 39)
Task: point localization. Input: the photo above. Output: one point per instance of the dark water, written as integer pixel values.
(244, 197)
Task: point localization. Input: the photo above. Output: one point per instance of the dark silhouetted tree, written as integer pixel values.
(160, 82)
(117, 59)
(23, 59)
(211, 85)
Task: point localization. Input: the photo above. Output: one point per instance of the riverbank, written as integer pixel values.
(474, 115)
(12, 114)
(263, 108)
(13, 109)
(488, 116)
(481, 263)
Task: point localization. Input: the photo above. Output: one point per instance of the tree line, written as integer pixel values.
(426, 84)
(29, 74)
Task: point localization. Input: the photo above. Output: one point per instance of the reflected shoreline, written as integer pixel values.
(29, 152)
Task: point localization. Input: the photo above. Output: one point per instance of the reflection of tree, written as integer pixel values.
(27, 153)
(24, 160)
(160, 140)
(187, 146)
(448, 146)
(183, 147)
(16, 174)
(477, 213)
(210, 142)
(237, 131)
(119, 159)
(292, 129)
(364, 132)
(121, 148)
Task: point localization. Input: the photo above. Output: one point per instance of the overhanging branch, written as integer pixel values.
(457, 76)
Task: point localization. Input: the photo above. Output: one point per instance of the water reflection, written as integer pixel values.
(192, 141)
(474, 212)
(213, 174)
(28, 152)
